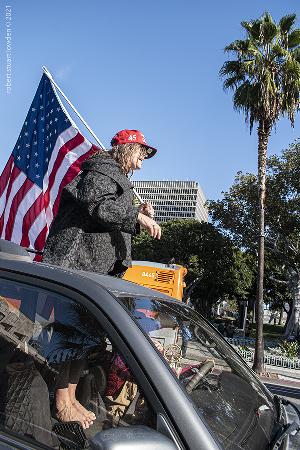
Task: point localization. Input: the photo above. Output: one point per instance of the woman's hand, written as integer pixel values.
(147, 209)
(149, 225)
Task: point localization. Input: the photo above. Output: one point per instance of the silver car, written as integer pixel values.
(156, 374)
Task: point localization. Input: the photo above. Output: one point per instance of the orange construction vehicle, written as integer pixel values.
(166, 278)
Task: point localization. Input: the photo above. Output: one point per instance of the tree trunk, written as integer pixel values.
(288, 315)
(264, 130)
(280, 316)
(292, 327)
(253, 312)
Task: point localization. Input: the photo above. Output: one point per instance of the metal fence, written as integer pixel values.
(272, 360)
(250, 342)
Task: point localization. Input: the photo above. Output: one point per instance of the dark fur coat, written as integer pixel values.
(95, 220)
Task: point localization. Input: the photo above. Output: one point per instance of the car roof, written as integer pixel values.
(116, 286)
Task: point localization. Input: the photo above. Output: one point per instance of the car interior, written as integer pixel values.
(41, 334)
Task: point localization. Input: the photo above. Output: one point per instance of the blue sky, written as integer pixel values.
(142, 64)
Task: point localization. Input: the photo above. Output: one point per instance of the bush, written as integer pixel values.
(289, 348)
(244, 348)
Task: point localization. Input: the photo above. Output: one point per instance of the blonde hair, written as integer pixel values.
(123, 154)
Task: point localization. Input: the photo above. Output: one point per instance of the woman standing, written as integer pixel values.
(96, 218)
(92, 231)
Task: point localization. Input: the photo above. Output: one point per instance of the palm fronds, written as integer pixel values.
(265, 72)
(286, 23)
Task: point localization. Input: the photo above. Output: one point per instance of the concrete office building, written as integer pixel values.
(174, 199)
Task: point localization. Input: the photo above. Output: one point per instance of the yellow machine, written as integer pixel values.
(166, 278)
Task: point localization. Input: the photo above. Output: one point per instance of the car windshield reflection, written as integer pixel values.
(228, 395)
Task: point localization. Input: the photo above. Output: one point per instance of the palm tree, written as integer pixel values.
(265, 79)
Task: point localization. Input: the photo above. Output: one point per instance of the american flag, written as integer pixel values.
(46, 157)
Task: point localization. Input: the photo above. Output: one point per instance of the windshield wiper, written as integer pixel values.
(288, 402)
(281, 434)
(279, 402)
(279, 408)
(285, 429)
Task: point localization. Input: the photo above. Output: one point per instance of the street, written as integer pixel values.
(289, 391)
(285, 390)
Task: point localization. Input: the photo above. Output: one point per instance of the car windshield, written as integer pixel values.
(235, 405)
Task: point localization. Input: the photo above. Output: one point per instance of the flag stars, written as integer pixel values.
(35, 143)
(35, 154)
(27, 156)
(19, 146)
(34, 120)
(52, 100)
(37, 176)
(26, 123)
(51, 111)
(57, 109)
(19, 158)
(26, 134)
(27, 145)
(56, 119)
(41, 96)
(42, 118)
(50, 122)
(33, 109)
(46, 159)
(37, 165)
(41, 107)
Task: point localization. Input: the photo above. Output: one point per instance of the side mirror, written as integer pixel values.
(131, 438)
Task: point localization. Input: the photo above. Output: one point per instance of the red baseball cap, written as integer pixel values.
(130, 137)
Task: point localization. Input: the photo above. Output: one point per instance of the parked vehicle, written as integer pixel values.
(209, 399)
(165, 278)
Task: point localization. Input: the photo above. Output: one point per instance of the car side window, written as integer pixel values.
(60, 377)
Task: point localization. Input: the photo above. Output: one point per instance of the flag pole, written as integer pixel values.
(48, 74)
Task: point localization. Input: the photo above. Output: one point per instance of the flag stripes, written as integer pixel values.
(47, 156)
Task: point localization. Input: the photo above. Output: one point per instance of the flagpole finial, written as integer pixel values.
(46, 72)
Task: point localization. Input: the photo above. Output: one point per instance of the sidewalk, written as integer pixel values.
(280, 373)
(282, 381)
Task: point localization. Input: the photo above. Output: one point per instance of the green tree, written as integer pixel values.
(206, 254)
(236, 216)
(265, 78)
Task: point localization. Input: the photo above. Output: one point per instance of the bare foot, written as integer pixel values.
(67, 413)
(89, 414)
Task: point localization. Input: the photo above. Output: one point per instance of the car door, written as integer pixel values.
(48, 321)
